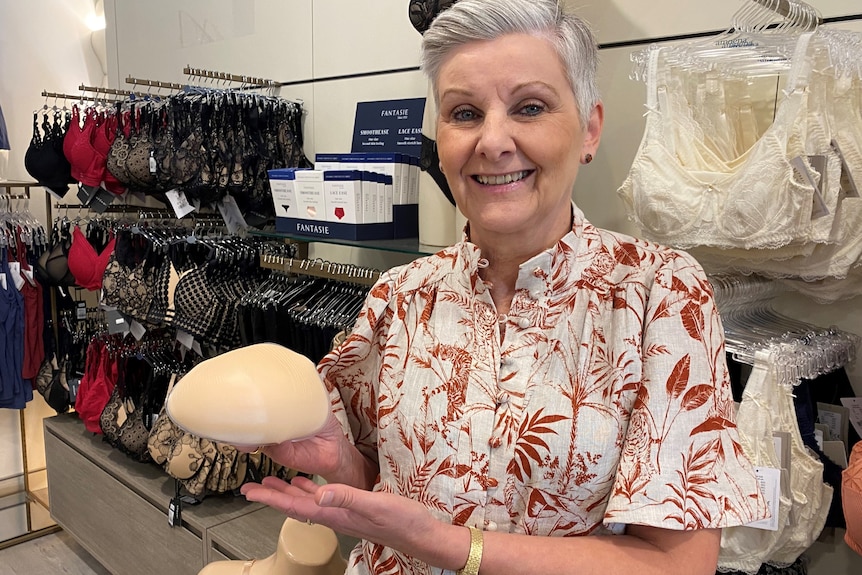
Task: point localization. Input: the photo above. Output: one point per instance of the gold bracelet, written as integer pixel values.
(475, 557)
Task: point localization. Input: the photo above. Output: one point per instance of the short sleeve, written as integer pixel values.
(682, 465)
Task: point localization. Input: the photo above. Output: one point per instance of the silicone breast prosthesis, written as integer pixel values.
(261, 394)
(302, 550)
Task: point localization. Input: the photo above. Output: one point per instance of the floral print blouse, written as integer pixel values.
(605, 402)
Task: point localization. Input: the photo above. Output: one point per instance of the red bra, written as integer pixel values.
(86, 148)
(86, 265)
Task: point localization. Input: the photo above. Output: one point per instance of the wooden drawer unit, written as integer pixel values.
(117, 507)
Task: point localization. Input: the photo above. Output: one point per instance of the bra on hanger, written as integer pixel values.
(682, 193)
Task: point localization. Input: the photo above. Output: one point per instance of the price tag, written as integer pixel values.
(137, 330)
(769, 480)
(179, 202)
(81, 310)
(231, 215)
(185, 339)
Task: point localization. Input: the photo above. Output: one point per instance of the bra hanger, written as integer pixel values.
(760, 41)
(751, 324)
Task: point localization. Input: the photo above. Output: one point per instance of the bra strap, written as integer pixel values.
(800, 64)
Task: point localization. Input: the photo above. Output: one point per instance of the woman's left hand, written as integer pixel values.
(384, 518)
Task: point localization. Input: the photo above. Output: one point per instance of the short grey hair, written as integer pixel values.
(472, 20)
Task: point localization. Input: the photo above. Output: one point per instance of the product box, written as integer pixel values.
(342, 191)
(413, 185)
(370, 198)
(328, 162)
(281, 185)
(308, 187)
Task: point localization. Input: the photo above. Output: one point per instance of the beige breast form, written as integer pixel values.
(256, 395)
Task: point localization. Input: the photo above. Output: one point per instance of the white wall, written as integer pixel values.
(44, 45)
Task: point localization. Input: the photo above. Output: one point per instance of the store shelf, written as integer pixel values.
(403, 246)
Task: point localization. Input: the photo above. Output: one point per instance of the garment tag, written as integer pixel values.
(122, 415)
(3, 281)
(836, 418)
(81, 310)
(179, 202)
(153, 164)
(769, 481)
(73, 384)
(86, 194)
(175, 507)
(231, 215)
(185, 339)
(837, 452)
(116, 322)
(28, 275)
(137, 330)
(17, 278)
(848, 184)
(196, 347)
(821, 434)
(854, 405)
(102, 200)
(781, 440)
(818, 206)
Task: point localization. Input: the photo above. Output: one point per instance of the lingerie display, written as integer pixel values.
(44, 159)
(779, 370)
(201, 142)
(22, 319)
(748, 182)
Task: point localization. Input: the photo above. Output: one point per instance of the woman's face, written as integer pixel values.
(510, 139)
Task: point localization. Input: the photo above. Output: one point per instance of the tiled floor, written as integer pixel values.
(49, 555)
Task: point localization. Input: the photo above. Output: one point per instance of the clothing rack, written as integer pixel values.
(100, 90)
(24, 188)
(21, 190)
(154, 83)
(350, 273)
(247, 81)
(60, 96)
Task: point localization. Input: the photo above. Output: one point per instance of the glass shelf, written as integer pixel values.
(403, 246)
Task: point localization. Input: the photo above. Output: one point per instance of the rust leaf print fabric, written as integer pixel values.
(605, 403)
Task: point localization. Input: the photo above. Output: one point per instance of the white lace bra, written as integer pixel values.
(682, 193)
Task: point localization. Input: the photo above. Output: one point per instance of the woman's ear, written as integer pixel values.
(593, 130)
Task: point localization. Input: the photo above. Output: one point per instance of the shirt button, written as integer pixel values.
(502, 318)
(524, 322)
(537, 293)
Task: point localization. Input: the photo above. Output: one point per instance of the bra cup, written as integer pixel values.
(195, 304)
(86, 265)
(666, 212)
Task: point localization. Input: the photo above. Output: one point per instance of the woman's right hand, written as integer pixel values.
(328, 454)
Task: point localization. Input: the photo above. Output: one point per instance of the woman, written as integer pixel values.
(541, 379)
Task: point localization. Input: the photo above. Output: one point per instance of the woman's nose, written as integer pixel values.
(495, 136)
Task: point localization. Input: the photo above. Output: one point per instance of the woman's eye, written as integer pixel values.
(533, 109)
(464, 114)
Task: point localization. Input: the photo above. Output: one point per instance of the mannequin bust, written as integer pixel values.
(303, 549)
(256, 395)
